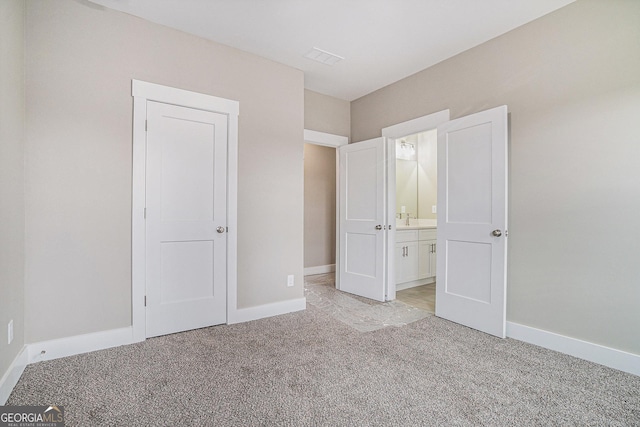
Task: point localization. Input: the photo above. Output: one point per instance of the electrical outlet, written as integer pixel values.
(10, 331)
(290, 281)
(434, 209)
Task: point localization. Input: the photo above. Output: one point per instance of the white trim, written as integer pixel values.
(138, 229)
(616, 359)
(143, 92)
(390, 219)
(13, 374)
(326, 139)
(319, 269)
(79, 344)
(232, 217)
(268, 310)
(418, 125)
(171, 95)
(337, 277)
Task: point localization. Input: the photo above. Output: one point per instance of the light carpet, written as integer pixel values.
(309, 369)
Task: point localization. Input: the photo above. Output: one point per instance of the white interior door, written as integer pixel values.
(472, 221)
(362, 225)
(185, 218)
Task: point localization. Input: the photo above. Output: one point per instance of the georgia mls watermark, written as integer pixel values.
(31, 416)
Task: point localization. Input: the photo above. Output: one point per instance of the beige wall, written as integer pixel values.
(324, 113)
(571, 80)
(12, 121)
(319, 205)
(80, 62)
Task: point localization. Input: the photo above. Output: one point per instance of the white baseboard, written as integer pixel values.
(267, 310)
(617, 359)
(78, 344)
(13, 374)
(319, 269)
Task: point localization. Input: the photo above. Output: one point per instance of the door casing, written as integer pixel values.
(143, 92)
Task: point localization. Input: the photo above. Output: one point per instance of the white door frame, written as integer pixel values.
(143, 92)
(334, 141)
(410, 127)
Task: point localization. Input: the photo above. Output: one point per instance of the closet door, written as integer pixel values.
(186, 218)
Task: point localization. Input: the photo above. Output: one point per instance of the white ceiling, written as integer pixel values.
(382, 41)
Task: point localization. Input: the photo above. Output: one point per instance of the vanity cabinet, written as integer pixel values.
(407, 257)
(427, 255)
(415, 255)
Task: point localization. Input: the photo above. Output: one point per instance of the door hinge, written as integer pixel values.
(146, 125)
(145, 300)
(145, 213)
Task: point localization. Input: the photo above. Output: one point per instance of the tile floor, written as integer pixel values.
(360, 313)
(423, 297)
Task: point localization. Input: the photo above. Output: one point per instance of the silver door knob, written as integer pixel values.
(496, 233)
(378, 227)
(220, 229)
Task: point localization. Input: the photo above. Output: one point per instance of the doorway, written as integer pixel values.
(416, 221)
(319, 209)
(320, 204)
(320, 175)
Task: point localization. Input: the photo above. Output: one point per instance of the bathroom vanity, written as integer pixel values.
(416, 199)
(415, 255)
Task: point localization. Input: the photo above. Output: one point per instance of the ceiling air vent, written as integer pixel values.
(323, 56)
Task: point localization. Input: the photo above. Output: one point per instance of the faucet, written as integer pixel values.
(408, 218)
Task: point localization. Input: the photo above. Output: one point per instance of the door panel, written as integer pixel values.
(362, 197)
(465, 257)
(469, 154)
(361, 254)
(186, 202)
(187, 193)
(187, 271)
(362, 209)
(472, 203)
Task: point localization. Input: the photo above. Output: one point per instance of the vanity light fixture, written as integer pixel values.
(409, 148)
(406, 150)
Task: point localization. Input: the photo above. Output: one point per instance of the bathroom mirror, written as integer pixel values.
(416, 175)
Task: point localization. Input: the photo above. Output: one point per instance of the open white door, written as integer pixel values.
(362, 217)
(472, 221)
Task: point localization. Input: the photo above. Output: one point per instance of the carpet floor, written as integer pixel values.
(309, 369)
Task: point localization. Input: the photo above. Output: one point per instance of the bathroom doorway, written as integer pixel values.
(416, 219)
(416, 228)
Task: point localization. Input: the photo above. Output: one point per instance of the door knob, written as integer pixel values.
(378, 227)
(496, 233)
(220, 229)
